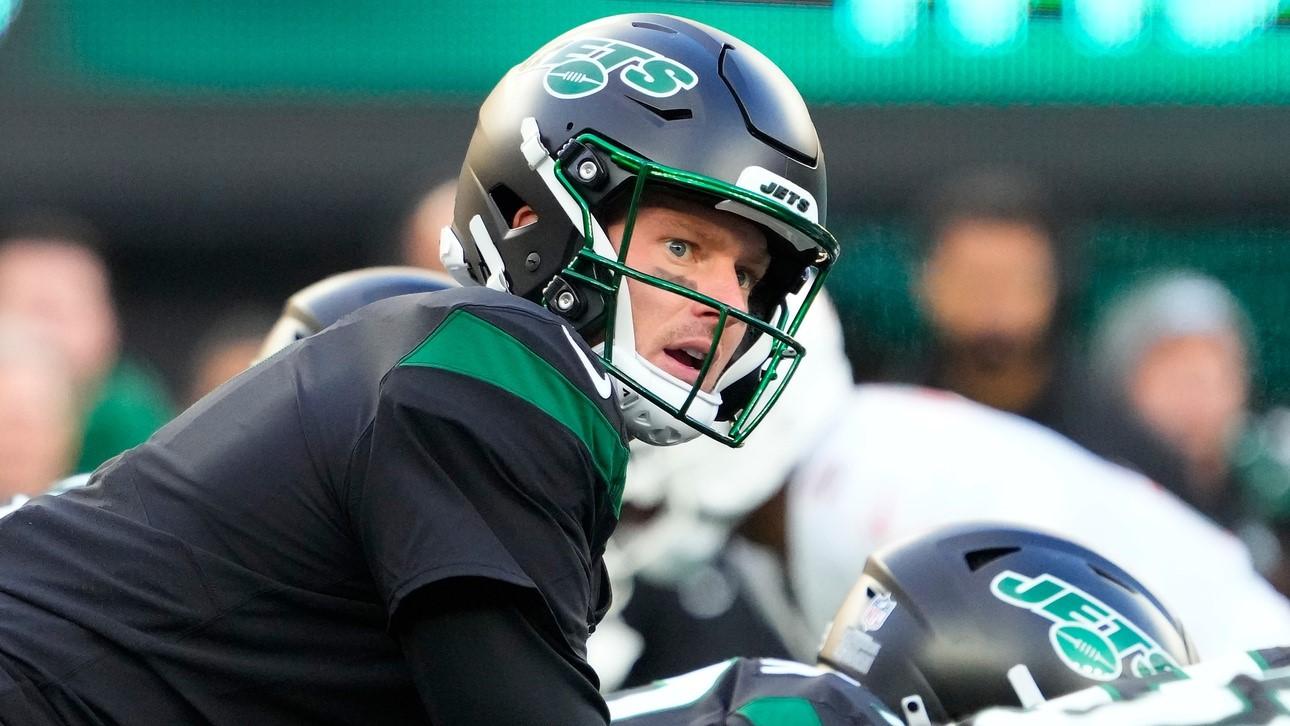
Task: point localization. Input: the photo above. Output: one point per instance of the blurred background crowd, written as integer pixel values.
(1073, 211)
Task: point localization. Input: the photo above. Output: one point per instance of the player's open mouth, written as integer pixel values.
(685, 362)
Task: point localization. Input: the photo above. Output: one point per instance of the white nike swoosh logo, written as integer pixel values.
(598, 378)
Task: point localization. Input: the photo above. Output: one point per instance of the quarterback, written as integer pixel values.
(354, 529)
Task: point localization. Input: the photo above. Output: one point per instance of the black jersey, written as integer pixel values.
(752, 692)
(243, 565)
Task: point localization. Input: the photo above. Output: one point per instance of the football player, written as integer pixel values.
(971, 616)
(938, 628)
(401, 519)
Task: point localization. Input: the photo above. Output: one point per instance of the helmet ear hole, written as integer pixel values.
(507, 202)
(980, 558)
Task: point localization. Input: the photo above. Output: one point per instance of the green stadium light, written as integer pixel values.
(881, 25)
(1105, 26)
(1202, 25)
(983, 25)
(8, 11)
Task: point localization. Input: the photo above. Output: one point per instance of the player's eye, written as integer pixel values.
(746, 278)
(678, 248)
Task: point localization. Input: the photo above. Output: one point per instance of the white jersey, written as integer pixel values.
(902, 460)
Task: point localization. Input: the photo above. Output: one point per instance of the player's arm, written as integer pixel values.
(480, 653)
(483, 505)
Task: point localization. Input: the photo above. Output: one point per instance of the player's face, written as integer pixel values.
(1193, 390)
(712, 252)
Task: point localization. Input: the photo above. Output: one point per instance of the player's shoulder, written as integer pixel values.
(523, 321)
(470, 297)
(511, 343)
(474, 331)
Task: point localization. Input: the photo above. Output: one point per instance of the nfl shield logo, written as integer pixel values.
(876, 612)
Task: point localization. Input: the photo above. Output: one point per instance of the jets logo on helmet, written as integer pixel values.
(1089, 636)
(582, 68)
(990, 614)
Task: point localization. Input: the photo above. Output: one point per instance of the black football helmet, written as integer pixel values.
(972, 616)
(597, 121)
(324, 302)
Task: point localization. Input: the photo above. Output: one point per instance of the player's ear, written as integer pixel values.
(524, 216)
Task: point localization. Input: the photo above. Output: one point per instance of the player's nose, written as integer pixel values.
(721, 283)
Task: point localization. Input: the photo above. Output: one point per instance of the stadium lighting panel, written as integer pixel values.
(984, 25)
(882, 24)
(8, 12)
(1106, 26)
(1201, 25)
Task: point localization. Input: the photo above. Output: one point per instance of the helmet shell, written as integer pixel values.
(322, 303)
(671, 90)
(941, 619)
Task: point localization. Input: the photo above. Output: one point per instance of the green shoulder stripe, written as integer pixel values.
(780, 711)
(471, 346)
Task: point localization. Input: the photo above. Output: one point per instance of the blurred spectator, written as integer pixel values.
(1179, 349)
(52, 276)
(39, 421)
(995, 283)
(227, 348)
(419, 238)
(1176, 349)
